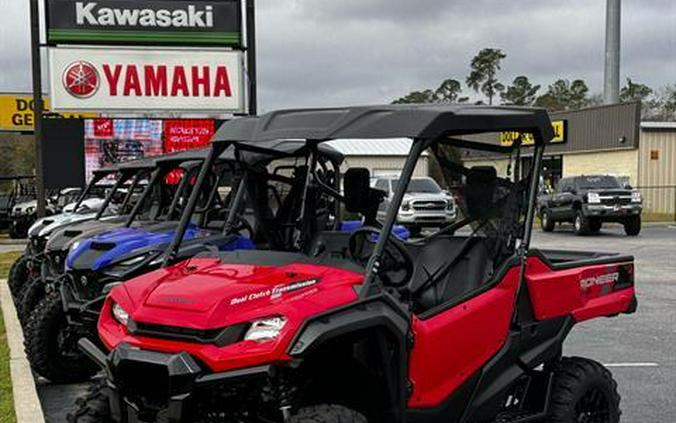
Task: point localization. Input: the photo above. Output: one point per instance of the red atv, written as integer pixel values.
(464, 325)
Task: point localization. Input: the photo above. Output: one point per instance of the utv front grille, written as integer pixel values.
(219, 337)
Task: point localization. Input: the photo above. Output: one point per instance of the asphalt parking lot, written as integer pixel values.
(638, 348)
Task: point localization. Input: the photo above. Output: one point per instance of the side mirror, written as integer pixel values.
(628, 186)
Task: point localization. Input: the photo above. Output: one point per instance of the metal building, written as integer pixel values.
(381, 157)
(657, 168)
(611, 140)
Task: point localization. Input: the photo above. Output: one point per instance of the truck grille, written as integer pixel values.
(615, 201)
(433, 205)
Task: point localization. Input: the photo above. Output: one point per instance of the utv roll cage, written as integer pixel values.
(426, 125)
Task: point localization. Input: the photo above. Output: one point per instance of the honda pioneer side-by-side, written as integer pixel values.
(464, 325)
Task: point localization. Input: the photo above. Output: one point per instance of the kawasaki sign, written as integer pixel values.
(168, 22)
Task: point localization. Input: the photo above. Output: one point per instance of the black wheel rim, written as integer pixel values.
(593, 407)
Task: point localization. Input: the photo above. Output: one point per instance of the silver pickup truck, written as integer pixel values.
(425, 204)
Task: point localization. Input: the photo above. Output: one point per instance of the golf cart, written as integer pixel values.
(464, 325)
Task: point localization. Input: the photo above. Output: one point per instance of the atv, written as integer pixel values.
(464, 325)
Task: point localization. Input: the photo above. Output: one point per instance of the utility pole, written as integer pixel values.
(251, 56)
(37, 105)
(611, 91)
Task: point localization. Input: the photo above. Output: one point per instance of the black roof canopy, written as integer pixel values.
(389, 121)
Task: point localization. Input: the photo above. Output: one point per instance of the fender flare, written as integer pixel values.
(382, 315)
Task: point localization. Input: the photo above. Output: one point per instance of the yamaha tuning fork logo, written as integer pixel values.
(81, 79)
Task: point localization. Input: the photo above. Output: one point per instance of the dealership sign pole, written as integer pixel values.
(251, 56)
(38, 105)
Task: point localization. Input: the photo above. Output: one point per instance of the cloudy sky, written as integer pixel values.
(329, 52)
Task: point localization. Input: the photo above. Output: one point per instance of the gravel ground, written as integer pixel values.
(639, 348)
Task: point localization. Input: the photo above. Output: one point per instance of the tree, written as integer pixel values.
(667, 103)
(484, 73)
(521, 93)
(449, 92)
(635, 92)
(426, 96)
(565, 95)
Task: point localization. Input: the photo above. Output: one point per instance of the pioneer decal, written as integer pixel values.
(601, 280)
(200, 22)
(146, 80)
(274, 293)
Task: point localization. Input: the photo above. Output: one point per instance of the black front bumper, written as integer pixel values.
(151, 386)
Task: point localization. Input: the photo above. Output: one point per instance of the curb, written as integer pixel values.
(26, 402)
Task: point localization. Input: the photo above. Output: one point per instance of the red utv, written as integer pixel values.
(464, 325)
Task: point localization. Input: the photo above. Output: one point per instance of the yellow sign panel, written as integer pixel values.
(507, 139)
(17, 113)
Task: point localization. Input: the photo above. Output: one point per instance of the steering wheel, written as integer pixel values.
(396, 264)
(242, 227)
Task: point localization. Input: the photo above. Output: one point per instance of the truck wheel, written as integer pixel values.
(583, 391)
(18, 274)
(581, 224)
(415, 230)
(546, 221)
(595, 225)
(31, 296)
(51, 344)
(632, 226)
(327, 414)
(14, 231)
(93, 407)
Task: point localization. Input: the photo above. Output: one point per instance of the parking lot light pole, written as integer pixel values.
(37, 105)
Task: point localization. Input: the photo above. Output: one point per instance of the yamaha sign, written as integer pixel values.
(139, 80)
(147, 22)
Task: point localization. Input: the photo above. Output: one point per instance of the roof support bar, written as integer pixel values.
(374, 263)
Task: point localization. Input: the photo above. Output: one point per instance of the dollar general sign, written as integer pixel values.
(560, 135)
(17, 113)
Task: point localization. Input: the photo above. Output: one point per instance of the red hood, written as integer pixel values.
(206, 294)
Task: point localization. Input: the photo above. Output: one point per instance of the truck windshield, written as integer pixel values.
(419, 185)
(598, 182)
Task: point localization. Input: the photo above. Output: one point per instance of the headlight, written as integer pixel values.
(593, 198)
(406, 206)
(74, 247)
(120, 314)
(450, 206)
(265, 329)
(636, 197)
